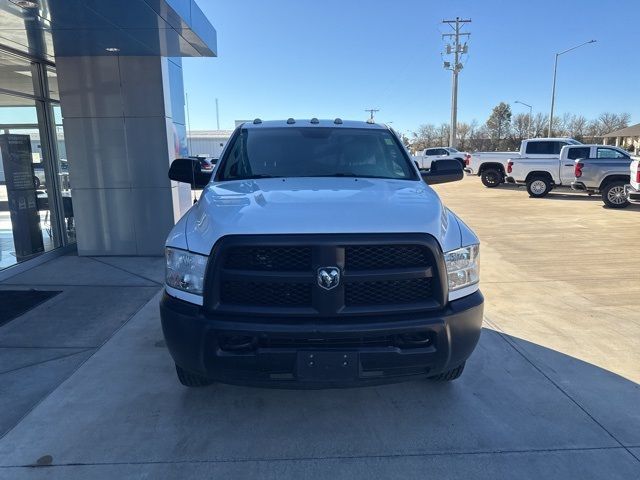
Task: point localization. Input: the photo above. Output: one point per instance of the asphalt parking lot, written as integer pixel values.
(551, 391)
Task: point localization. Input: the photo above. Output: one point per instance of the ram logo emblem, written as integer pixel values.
(328, 277)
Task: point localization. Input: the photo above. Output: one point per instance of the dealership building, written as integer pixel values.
(91, 115)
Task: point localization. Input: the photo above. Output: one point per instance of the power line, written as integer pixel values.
(457, 49)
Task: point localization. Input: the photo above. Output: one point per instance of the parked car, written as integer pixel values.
(541, 175)
(492, 166)
(633, 189)
(426, 157)
(605, 171)
(319, 256)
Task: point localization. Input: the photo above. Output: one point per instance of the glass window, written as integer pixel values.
(52, 81)
(578, 152)
(549, 147)
(610, 153)
(431, 151)
(315, 152)
(26, 219)
(18, 74)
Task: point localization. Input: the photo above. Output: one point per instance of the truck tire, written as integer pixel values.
(491, 177)
(449, 375)
(538, 186)
(613, 195)
(189, 379)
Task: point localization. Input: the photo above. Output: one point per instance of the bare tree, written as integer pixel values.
(610, 122)
(520, 127)
(443, 134)
(463, 132)
(499, 122)
(577, 127)
(539, 124)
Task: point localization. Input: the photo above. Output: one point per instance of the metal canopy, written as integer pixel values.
(171, 28)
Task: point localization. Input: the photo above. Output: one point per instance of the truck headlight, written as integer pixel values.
(185, 270)
(463, 268)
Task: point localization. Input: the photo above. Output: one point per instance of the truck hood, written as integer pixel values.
(315, 205)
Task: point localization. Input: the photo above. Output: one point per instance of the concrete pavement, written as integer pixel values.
(551, 392)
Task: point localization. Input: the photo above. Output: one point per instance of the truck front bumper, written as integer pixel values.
(632, 194)
(321, 355)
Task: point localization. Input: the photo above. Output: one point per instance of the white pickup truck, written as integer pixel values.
(542, 174)
(492, 166)
(425, 157)
(283, 274)
(633, 189)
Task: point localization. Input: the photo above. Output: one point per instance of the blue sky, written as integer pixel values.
(329, 58)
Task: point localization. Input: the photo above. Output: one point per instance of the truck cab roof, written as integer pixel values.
(313, 123)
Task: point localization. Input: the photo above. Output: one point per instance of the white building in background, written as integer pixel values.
(207, 142)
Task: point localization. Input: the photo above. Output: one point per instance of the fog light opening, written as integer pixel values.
(415, 339)
(237, 343)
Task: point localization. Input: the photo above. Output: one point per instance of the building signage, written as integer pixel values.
(21, 193)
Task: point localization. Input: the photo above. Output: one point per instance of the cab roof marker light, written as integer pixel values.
(257, 121)
(314, 120)
(338, 121)
(290, 121)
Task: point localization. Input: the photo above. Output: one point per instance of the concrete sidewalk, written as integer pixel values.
(529, 406)
(44, 346)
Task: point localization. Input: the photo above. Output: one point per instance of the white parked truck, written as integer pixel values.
(633, 189)
(542, 174)
(283, 274)
(492, 166)
(429, 155)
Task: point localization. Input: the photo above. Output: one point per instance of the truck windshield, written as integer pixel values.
(315, 152)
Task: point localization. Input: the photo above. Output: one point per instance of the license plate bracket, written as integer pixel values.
(322, 366)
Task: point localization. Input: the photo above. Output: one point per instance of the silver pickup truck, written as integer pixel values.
(605, 173)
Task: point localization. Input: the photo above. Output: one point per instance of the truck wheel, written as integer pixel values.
(613, 195)
(491, 178)
(189, 379)
(538, 187)
(449, 375)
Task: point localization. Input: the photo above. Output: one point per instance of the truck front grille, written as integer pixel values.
(277, 275)
(378, 257)
(390, 292)
(266, 293)
(269, 258)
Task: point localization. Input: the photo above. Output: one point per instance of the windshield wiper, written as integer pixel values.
(352, 175)
(259, 175)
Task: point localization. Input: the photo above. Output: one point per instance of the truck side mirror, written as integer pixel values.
(443, 171)
(187, 170)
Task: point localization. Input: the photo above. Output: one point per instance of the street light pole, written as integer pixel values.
(530, 115)
(555, 71)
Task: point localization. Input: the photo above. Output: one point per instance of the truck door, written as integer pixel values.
(568, 164)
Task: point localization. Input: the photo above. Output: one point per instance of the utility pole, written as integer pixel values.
(456, 49)
(371, 112)
(217, 116)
